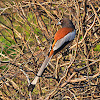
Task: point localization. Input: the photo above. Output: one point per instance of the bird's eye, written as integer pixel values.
(61, 21)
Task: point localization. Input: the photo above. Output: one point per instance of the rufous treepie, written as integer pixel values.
(63, 37)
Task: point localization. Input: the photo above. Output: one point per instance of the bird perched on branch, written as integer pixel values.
(63, 37)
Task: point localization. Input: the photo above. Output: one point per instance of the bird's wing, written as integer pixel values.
(65, 38)
(62, 32)
(70, 36)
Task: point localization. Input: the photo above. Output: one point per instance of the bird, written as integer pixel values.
(63, 37)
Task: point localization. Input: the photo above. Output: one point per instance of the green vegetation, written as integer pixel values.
(97, 48)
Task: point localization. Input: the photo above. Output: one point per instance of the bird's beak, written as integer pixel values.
(59, 23)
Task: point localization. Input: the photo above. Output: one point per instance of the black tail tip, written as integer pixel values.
(31, 87)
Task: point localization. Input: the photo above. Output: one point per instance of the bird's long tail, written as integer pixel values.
(44, 65)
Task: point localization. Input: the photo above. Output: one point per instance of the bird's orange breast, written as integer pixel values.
(62, 32)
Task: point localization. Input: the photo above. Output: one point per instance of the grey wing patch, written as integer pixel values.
(70, 36)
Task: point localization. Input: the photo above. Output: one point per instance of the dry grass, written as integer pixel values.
(26, 32)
